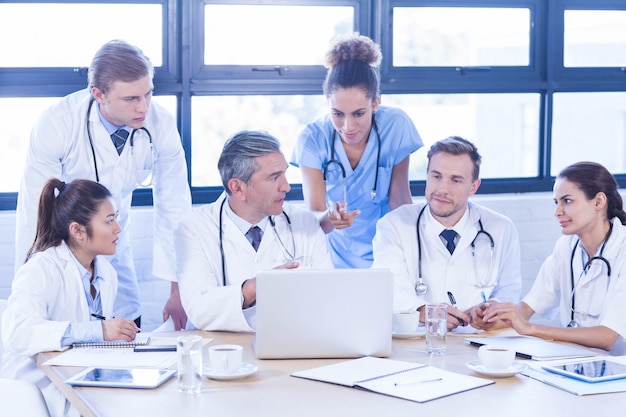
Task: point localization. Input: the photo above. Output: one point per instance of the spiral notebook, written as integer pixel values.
(410, 381)
(140, 340)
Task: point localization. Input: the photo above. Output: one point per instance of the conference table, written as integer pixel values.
(272, 391)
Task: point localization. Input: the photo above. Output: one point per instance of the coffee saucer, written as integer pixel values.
(420, 332)
(514, 369)
(245, 370)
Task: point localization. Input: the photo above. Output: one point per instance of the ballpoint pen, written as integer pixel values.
(417, 381)
(99, 317)
(453, 302)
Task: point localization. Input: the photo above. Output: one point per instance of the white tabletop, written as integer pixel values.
(271, 391)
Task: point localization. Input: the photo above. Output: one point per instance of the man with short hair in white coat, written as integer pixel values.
(450, 250)
(217, 254)
(76, 137)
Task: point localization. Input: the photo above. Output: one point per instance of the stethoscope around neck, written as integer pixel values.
(334, 160)
(573, 322)
(421, 287)
(291, 255)
(131, 139)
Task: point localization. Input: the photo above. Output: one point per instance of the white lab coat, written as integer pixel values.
(395, 247)
(59, 147)
(47, 294)
(209, 304)
(596, 294)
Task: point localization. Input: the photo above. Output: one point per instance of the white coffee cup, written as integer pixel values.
(406, 321)
(496, 358)
(225, 359)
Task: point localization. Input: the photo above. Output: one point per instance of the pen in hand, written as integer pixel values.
(453, 303)
(99, 317)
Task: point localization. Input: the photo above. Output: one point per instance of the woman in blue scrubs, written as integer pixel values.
(355, 160)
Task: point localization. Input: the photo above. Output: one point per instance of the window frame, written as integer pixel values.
(184, 75)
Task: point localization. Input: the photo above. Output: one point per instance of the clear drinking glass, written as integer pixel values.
(436, 328)
(189, 352)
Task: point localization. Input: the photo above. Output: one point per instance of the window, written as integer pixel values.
(536, 85)
(63, 35)
(589, 126)
(460, 36)
(594, 38)
(282, 116)
(499, 124)
(274, 35)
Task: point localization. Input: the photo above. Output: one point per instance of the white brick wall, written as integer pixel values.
(532, 213)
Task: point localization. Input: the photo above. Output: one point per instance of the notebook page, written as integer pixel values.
(424, 384)
(349, 372)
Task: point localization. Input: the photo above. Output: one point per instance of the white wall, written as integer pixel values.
(532, 213)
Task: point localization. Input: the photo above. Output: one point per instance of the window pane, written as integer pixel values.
(459, 36)
(282, 116)
(594, 38)
(295, 35)
(589, 127)
(64, 35)
(17, 117)
(504, 127)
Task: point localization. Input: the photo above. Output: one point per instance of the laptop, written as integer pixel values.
(330, 313)
(532, 347)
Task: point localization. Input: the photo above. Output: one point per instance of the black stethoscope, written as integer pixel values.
(131, 139)
(333, 160)
(421, 288)
(573, 322)
(291, 255)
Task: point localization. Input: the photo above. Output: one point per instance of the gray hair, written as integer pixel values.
(118, 60)
(240, 150)
(456, 145)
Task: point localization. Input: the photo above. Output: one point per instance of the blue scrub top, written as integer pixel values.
(352, 247)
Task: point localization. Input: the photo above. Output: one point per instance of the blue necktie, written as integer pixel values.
(449, 235)
(119, 139)
(254, 234)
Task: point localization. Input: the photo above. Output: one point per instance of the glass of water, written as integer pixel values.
(189, 352)
(436, 328)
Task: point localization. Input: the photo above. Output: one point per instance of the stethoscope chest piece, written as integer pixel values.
(421, 288)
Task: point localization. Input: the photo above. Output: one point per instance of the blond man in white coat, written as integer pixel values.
(75, 139)
(218, 262)
(482, 262)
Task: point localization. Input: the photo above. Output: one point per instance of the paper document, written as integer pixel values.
(533, 348)
(407, 380)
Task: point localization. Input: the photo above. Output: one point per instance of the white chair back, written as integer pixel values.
(21, 399)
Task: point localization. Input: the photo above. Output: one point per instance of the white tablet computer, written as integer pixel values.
(590, 371)
(121, 378)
